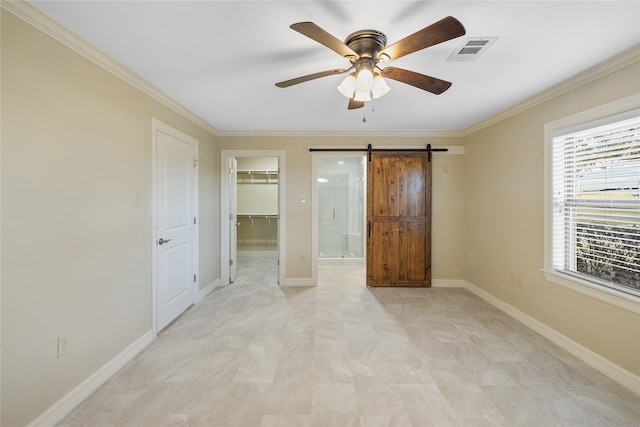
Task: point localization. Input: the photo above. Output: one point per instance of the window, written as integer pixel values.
(594, 202)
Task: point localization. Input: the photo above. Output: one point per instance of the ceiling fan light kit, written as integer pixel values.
(348, 86)
(379, 88)
(365, 83)
(366, 49)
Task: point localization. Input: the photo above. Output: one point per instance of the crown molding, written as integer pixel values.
(38, 19)
(611, 65)
(339, 134)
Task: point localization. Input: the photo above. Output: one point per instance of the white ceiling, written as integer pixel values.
(220, 59)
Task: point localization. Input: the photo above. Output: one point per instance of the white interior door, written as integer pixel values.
(175, 207)
(233, 219)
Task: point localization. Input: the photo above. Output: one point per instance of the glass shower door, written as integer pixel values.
(341, 207)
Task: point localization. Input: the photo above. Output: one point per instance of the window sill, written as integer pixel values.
(611, 296)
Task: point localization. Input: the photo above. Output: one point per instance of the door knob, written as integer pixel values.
(162, 241)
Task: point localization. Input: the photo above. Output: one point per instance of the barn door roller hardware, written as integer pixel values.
(370, 150)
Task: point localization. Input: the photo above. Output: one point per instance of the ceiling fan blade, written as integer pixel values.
(316, 33)
(308, 77)
(446, 29)
(421, 81)
(354, 105)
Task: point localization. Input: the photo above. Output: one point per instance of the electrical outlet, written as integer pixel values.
(64, 343)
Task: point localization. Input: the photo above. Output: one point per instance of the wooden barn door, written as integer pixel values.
(399, 219)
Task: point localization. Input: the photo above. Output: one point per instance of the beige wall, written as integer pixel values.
(76, 254)
(504, 223)
(75, 249)
(448, 196)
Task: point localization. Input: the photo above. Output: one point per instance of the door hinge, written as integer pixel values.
(230, 262)
(194, 277)
(195, 163)
(194, 220)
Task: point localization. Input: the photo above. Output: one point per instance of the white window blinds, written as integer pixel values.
(596, 204)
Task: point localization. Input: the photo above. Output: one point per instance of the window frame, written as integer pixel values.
(612, 296)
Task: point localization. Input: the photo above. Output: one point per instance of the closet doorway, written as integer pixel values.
(252, 216)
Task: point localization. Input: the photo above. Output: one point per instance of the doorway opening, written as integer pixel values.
(339, 221)
(252, 228)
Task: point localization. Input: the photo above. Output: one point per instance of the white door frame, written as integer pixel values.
(224, 208)
(157, 125)
(233, 222)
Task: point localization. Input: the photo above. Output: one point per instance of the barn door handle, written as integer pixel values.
(369, 229)
(162, 241)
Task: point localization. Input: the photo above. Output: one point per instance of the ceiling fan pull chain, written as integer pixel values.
(364, 116)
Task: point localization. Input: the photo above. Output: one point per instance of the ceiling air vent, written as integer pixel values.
(471, 48)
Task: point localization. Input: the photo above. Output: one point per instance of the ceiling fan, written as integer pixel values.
(367, 49)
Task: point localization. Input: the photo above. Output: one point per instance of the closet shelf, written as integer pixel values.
(256, 181)
(257, 177)
(258, 172)
(258, 216)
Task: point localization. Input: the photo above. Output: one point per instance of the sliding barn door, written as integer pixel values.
(399, 219)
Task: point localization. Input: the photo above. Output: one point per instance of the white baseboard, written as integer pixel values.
(202, 293)
(603, 365)
(68, 403)
(447, 283)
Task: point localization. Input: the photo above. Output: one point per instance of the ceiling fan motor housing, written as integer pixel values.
(367, 43)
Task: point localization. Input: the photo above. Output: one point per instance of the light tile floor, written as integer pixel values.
(340, 354)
